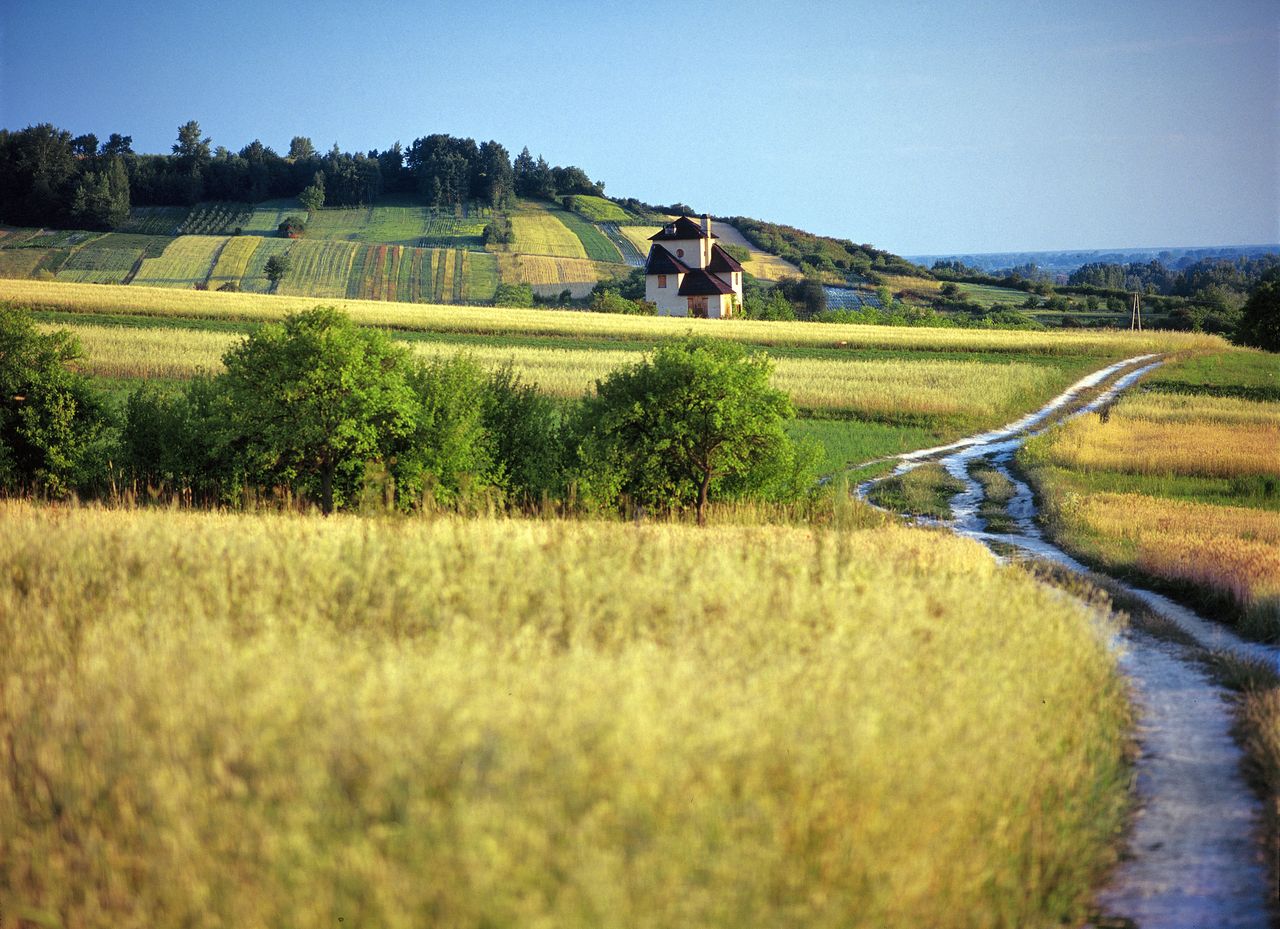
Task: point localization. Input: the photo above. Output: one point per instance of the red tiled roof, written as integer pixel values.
(698, 283)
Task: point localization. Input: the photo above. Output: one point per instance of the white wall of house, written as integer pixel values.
(668, 298)
(695, 254)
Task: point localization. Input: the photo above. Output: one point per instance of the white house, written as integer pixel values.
(688, 274)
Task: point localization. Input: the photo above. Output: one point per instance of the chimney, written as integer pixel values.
(706, 224)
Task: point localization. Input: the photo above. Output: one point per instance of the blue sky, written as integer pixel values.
(916, 127)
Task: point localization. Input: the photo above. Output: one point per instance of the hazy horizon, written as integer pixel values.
(923, 129)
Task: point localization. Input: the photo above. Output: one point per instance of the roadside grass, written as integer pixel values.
(1180, 491)
(185, 262)
(923, 491)
(497, 722)
(1243, 373)
(847, 443)
(997, 491)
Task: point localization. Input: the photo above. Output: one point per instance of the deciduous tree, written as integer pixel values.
(315, 398)
(695, 421)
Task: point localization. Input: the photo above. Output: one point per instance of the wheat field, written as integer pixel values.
(95, 298)
(459, 723)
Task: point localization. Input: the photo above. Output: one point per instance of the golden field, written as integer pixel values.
(192, 304)
(875, 388)
(1179, 487)
(1212, 448)
(460, 723)
(539, 232)
(544, 269)
(1234, 551)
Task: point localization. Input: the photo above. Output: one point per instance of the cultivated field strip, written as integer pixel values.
(319, 268)
(538, 231)
(983, 391)
(234, 260)
(186, 261)
(498, 321)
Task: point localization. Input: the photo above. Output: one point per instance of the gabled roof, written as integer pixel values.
(662, 261)
(722, 261)
(682, 228)
(698, 283)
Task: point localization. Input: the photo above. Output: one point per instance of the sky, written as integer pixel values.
(920, 128)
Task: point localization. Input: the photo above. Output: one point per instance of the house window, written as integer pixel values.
(679, 252)
(662, 280)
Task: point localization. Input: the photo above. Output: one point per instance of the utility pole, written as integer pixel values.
(1135, 313)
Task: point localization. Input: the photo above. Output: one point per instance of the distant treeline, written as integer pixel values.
(50, 178)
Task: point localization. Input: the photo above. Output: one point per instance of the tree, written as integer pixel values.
(513, 295)
(301, 149)
(698, 419)
(312, 197)
(276, 268)
(315, 398)
(292, 227)
(1260, 324)
(50, 420)
(192, 150)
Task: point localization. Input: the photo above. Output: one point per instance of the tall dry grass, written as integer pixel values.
(278, 721)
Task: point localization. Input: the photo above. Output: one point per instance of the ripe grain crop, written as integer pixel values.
(498, 321)
(538, 231)
(543, 269)
(1178, 443)
(186, 261)
(234, 261)
(276, 720)
(1230, 551)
